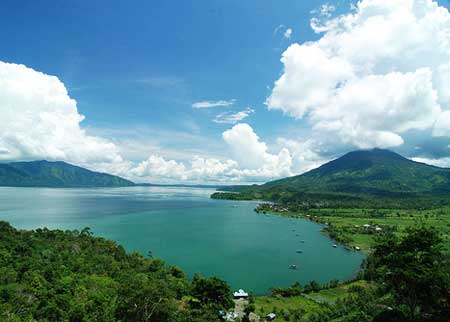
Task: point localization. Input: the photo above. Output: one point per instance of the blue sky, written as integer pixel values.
(146, 63)
(136, 69)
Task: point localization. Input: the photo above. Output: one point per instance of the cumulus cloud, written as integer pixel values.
(306, 155)
(157, 167)
(233, 118)
(253, 163)
(39, 120)
(375, 74)
(209, 104)
(252, 153)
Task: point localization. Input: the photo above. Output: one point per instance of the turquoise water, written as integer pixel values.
(184, 227)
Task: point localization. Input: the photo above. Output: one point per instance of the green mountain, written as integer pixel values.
(365, 174)
(55, 174)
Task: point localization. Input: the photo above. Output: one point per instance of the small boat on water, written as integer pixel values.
(293, 266)
(335, 246)
(299, 251)
(302, 241)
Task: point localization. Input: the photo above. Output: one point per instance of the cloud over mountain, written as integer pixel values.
(40, 120)
(375, 74)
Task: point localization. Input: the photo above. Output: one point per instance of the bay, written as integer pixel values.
(184, 227)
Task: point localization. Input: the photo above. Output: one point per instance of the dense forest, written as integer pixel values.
(54, 275)
(55, 174)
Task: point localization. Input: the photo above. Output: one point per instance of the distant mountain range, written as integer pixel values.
(365, 174)
(55, 174)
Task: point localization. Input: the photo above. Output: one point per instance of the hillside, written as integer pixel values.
(54, 275)
(361, 174)
(55, 174)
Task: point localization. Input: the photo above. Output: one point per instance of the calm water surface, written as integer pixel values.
(186, 228)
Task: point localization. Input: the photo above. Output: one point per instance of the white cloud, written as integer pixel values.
(252, 153)
(254, 163)
(288, 33)
(442, 126)
(233, 118)
(325, 10)
(306, 155)
(322, 15)
(441, 163)
(209, 104)
(39, 120)
(376, 73)
(157, 167)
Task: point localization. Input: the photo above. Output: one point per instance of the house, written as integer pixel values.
(271, 317)
(378, 228)
(366, 226)
(240, 294)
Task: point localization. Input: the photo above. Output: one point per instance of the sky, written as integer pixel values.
(222, 91)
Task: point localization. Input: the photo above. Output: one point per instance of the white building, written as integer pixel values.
(240, 294)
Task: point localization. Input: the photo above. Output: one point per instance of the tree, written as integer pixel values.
(212, 291)
(415, 271)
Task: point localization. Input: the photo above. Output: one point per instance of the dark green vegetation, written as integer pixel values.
(405, 279)
(55, 174)
(375, 178)
(53, 275)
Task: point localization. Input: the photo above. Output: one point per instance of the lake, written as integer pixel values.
(184, 227)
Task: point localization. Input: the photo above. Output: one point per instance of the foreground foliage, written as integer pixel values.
(53, 275)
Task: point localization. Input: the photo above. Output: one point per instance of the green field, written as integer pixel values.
(282, 306)
(331, 295)
(305, 305)
(343, 222)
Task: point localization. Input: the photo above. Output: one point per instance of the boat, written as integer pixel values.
(299, 251)
(302, 241)
(293, 266)
(334, 245)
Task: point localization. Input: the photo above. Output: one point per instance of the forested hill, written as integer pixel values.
(365, 174)
(55, 174)
(54, 275)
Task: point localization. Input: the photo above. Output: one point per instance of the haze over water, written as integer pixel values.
(184, 227)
